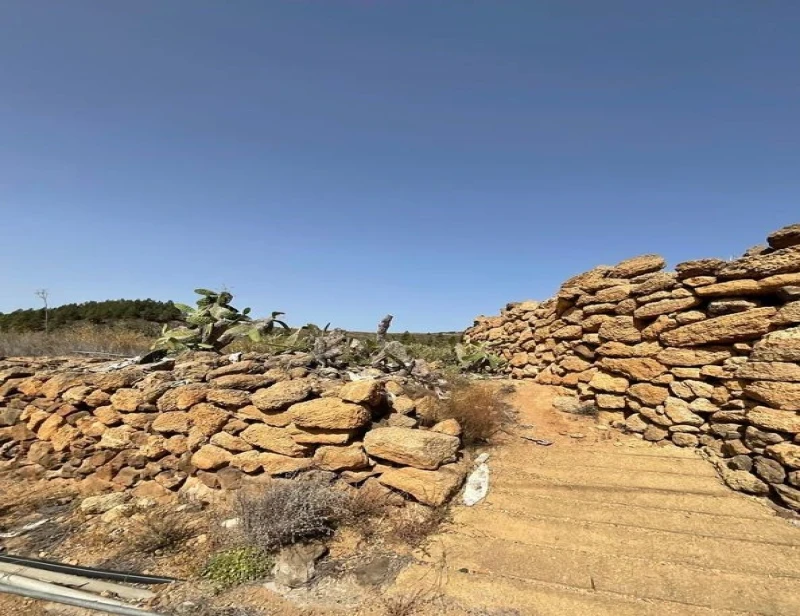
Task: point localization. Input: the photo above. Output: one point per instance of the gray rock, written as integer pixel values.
(740, 463)
(770, 471)
(757, 439)
(566, 404)
(103, 502)
(789, 496)
(744, 482)
(295, 566)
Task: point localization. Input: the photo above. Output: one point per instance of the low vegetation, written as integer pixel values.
(124, 339)
(237, 566)
(479, 407)
(287, 511)
(158, 530)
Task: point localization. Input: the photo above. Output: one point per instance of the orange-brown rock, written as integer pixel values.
(329, 413)
(419, 448)
(636, 368)
(432, 488)
(330, 458)
(728, 328)
(281, 395)
(273, 439)
(777, 394)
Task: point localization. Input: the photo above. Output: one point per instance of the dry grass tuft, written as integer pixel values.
(116, 339)
(158, 530)
(287, 511)
(414, 525)
(479, 407)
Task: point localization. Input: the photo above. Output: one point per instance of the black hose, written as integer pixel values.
(97, 574)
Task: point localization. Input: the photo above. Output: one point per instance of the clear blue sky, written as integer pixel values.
(343, 159)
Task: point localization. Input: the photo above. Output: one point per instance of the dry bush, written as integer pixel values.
(414, 525)
(286, 511)
(158, 530)
(115, 339)
(479, 408)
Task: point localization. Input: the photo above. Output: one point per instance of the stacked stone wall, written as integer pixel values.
(219, 422)
(706, 356)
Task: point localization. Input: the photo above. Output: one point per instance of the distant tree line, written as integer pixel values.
(92, 312)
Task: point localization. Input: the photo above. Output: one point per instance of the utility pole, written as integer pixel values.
(43, 294)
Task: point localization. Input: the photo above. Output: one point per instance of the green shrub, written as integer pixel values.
(237, 566)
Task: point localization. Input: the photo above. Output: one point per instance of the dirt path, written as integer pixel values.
(607, 524)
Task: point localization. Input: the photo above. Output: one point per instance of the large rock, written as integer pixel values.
(787, 454)
(769, 371)
(782, 345)
(230, 442)
(211, 457)
(638, 368)
(637, 266)
(281, 395)
(678, 411)
(271, 463)
(777, 394)
(665, 306)
(783, 261)
(329, 413)
(278, 440)
(418, 448)
(769, 470)
(606, 382)
(650, 395)
(182, 397)
(432, 488)
(743, 481)
(207, 418)
(620, 329)
(172, 421)
(652, 283)
(127, 400)
(692, 357)
(330, 458)
(728, 328)
(618, 349)
(368, 392)
(698, 267)
(789, 496)
(789, 314)
(785, 237)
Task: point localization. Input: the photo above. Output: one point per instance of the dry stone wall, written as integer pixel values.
(220, 423)
(705, 356)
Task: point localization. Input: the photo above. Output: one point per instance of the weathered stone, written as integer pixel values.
(779, 395)
(783, 345)
(94, 505)
(330, 458)
(678, 411)
(230, 442)
(295, 565)
(637, 266)
(740, 463)
(568, 332)
(620, 329)
(785, 237)
(653, 283)
(794, 478)
(140, 421)
(655, 416)
(699, 281)
(789, 496)
(211, 457)
(231, 398)
(594, 322)
(665, 306)
(655, 433)
(686, 373)
(402, 404)
(787, 454)
(638, 368)
(635, 423)
(248, 382)
(727, 306)
(693, 316)
(116, 438)
(769, 470)
(698, 267)
(277, 440)
(703, 405)
(769, 371)
(63, 437)
(320, 436)
(618, 349)
(173, 421)
(728, 328)
(432, 488)
(651, 395)
(613, 294)
(240, 367)
(787, 294)
(772, 419)
(329, 413)
(662, 324)
(626, 307)
(418, 448)
(575, 364)
(788, 314)
(757, 440)
(608, 401)
(743, 481)
(609, 383)
(682, 439)
(49, 427)
(783, 261)
(281, 395)
(127, 400)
